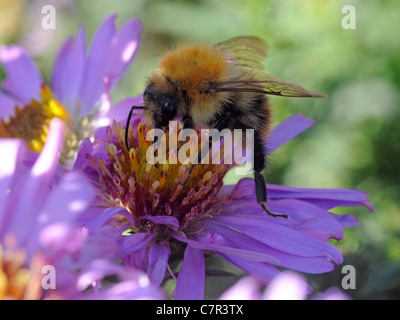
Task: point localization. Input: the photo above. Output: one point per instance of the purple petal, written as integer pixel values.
(346, 221)
(122, 49)
(126, 290)
(322, 229)
(244, 188)
(246, 288)
(263, 272)
(56, 238)
(295, 262)
(7, 105)
(137, 260)
(324, 198)
(11, 151)
(287, 286)
(69, 70)
(243, 254)
(133, 242)
(89, 214)
(309, 219)
(101, 133)
(280, 237)
(74, 194)
(169, 221)
(99, 269)
(288, 130)
(157, 263)
(100, 246)
(133, 284)
(190, 282)
(95, 224)
(93, 80)
(110, 55)
(37, 186)
(304, 216)
(119, 112)
(23, 78)
(85, 148)
(332, 294)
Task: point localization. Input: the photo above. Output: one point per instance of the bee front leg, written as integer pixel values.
(128, 123)
(261, 187)
(156, 141)
(188, 123)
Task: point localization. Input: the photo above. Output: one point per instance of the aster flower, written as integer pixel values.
(131, 285)
(159, 223)
(79, 92)
(41, 247)
(287, 285)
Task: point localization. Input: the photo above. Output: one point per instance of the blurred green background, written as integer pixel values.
(355, 142)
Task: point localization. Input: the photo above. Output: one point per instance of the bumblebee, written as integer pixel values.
(221, 86)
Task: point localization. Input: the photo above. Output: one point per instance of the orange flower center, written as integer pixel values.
(18, 281)
(128, 180)
(31, 123)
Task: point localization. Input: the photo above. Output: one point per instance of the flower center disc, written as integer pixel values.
(18, 282)
(31, 123)
(128, 180)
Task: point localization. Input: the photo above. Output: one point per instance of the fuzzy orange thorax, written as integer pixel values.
(192, 66)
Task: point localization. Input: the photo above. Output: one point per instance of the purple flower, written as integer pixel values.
(287, 285)
(132, 284)
(79, 92)
(159, 223)
(41, 247)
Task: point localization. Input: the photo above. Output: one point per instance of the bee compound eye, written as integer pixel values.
(168, 111)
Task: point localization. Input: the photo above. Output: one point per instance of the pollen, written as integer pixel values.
(31, 122)
(128, 180)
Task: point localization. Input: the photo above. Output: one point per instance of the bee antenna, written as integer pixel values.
(128, 122)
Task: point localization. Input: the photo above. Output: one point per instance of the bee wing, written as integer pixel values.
(249, 53)
(245, 52)
(271, 86)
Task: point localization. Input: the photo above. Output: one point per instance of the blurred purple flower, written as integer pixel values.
(287, 285)
(38, 229)
(132, 284)
(158, 223)
(79, 92)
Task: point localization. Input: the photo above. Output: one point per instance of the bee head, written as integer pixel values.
(163, 102)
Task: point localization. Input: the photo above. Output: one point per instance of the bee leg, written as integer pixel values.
(261, 188)
(128, 122)
(187, 123)
(222, 124)
(156, 141)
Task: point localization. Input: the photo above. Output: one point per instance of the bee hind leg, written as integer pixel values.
(261, 194)
(260, 184)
